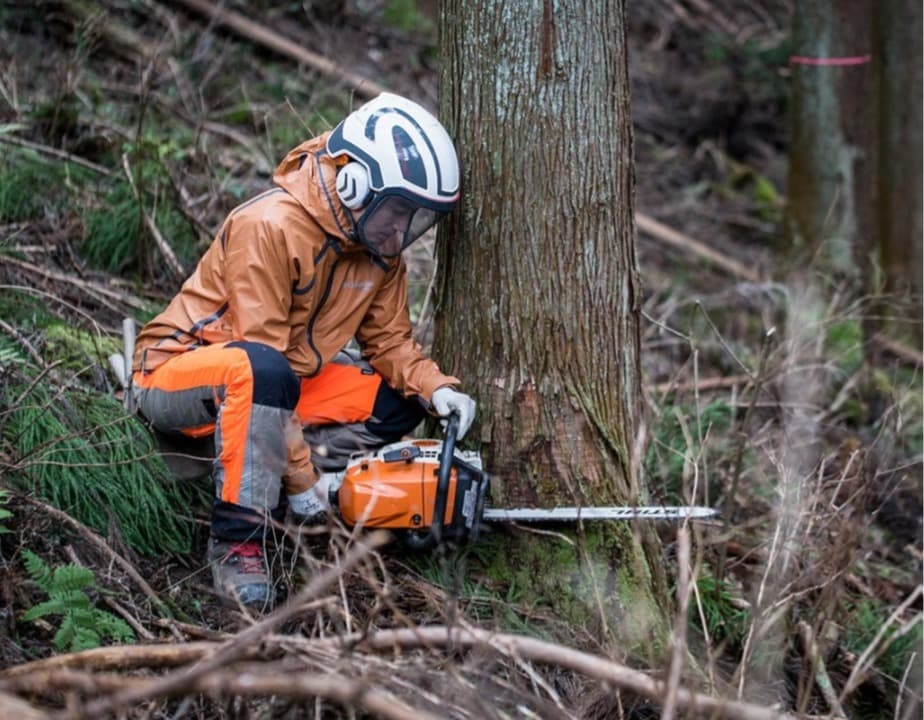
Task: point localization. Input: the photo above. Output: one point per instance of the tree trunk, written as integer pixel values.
(898, 50)
(832, 166)
(539, 282)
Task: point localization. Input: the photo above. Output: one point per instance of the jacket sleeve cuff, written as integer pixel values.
(434, 384)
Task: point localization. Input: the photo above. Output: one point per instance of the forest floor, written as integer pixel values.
(764, 397)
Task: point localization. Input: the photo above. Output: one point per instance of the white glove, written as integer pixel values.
(312, 504)
(445, 400)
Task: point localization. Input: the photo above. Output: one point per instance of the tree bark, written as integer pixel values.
(539, 281)
(898, 50)
(832, 166)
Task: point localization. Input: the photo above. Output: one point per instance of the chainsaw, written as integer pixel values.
(430, 492)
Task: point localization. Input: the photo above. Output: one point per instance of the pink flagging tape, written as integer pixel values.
(830, 61)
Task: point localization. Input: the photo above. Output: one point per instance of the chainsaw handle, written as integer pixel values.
(442, 485)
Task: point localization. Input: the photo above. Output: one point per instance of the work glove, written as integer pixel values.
(445, 400)
(311, 506)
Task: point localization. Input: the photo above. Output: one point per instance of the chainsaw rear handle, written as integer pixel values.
(442, 485)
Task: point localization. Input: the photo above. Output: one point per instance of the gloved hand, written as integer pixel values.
(311, 506)
(445, 400)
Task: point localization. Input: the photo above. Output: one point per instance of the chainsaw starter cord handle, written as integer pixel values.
(442, 485)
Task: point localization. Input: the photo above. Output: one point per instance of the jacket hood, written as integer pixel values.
(309, 175)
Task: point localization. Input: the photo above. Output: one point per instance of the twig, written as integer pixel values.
(276, 42)
(86, 285)
(677, 239)
(136, 625)
(246, 683)
(26, 345)
(680, 627)
(822, 679)
(241, 643)
(55, 152)
(702, 385)
(117, 657)
(593, 666)
(899, 350)
(861, 667)
(102, 545)
(176, 267)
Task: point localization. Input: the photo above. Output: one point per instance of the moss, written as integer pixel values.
(77, 348)
(584, 579)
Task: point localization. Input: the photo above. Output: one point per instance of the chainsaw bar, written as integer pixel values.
(571, 514)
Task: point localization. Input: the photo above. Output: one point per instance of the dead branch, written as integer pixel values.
(88, 286)
(116, 657)
(240, 644)
(248, 683)
(14, 707)
(25, 344)
(104, 547)
(683, 242)
(276, 42)
(679, 633)
(899, 350)
(54, 152)
(822, 679)
(593, 666)
(176, 267)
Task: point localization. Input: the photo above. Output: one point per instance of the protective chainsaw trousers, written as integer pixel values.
(272, 430)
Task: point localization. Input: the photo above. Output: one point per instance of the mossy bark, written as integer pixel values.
(539, 283)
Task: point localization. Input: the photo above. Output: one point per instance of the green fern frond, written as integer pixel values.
(55, 606)
(66, 634)
(82, 625)
(39, 572)
(69, 578)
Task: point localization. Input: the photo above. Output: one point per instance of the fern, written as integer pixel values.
(4, 513)
(82, 625)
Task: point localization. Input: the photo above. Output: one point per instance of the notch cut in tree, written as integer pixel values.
(539, 288)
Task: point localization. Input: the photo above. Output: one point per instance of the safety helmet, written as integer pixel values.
(399, 168)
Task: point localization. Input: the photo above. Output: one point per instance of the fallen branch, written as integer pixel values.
(116, 657)
(85, 285)
(55, 152)
(591, 665)
(899, 350)
(683, 242)
(276, 42)
(338, 688)
(14, 707)
(240, 644)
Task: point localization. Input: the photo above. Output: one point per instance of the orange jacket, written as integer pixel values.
(283, 272)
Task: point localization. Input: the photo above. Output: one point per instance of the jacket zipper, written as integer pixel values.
(317, 309)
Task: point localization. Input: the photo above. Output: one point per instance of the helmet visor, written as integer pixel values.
(392, 222)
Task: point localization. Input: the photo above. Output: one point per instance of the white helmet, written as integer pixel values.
(402, 171)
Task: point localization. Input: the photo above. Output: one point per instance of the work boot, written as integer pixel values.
(240, 572)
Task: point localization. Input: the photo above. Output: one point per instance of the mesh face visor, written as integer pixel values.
(392, 222)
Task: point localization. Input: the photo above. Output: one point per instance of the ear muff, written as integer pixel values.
(353, 186)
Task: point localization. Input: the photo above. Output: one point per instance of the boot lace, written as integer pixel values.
(249, 557)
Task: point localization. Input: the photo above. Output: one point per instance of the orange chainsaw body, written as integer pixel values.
(395, 494)
(397, 488)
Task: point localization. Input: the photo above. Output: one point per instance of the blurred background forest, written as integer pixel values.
(778, 374)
